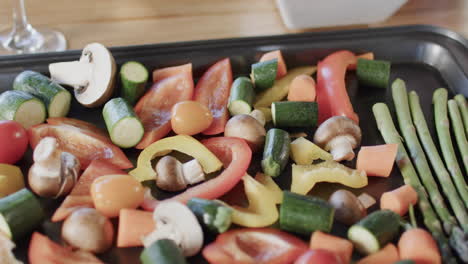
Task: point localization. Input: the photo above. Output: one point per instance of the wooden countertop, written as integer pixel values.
(129, 22)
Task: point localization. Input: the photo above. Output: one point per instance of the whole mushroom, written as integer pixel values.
(175, 221)
(246, 127)
(88, 230)
(54, 173)
(92, 75)
(339, 135)
(348, 208)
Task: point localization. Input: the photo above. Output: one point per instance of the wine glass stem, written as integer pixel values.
(20, 21)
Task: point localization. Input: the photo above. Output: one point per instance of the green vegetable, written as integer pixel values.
(439, 99)
(56, 98)
(374, 231)
(463, 106)
(134, 77)
(275, 152)
(436, 161)
(373, 72)
(22, 108)
(264, 74)
(20, 213)
(405, 261)
(241, 97)
(459, 242)
(460, 136)
(390, 135)
(163, 251)
(125, 129)
(304, 214)
(400, 99)
(211, 213)
(294, 114)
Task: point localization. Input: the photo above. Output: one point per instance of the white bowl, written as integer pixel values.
(299, 14)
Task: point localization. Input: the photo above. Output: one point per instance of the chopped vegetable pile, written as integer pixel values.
(190, 193)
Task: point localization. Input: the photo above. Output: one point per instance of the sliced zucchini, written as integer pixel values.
(212, 214)
(125, 129)
(163, 251)
(22, 107)
(264, 74)
(294, 114)
(56, 98)
(275, 152)
(241, 97)
(134, 77)
(373, 72)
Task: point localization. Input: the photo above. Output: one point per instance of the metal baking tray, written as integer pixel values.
(426, 57)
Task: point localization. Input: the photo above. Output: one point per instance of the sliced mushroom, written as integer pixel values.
(175, 221)
(257, 114)
(248, 128)
(175, 176)
(92, 76)
(54, 173)
(339, 135)
(88, 230)
(6, 250)
(348, 208)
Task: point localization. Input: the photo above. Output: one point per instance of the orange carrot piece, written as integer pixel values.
(276, 54)
(399, 200)
(96, 169)
(164, 73)
(302, 88)
(387, 255)
(337, 245)
(367, 56)
(70, 204)
(418, 245)
(133, 225)
(377, 160)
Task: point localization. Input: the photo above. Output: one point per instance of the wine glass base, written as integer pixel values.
(45, 40)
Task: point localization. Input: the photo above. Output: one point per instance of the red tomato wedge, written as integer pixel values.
(164, 73)
(85, 145)
(213, 90)
(235, 154)
(254, 246)
(276, 54)
(332, 97)
(154, 108)
(77, 123)
(42, 250)
(80, 195)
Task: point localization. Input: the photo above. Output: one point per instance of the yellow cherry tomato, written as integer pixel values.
(113, 192)
(190, 118)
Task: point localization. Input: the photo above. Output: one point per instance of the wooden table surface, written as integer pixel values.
(128, 22)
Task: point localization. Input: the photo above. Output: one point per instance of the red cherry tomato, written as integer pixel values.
(318, 256)
(13, 141)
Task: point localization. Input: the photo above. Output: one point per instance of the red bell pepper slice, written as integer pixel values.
(43, 250)
(213, 90)
(254, 246)
(79, 124)
(234, 153)
(154, 108)
(319, 256)
(332, 97)
(164, 73)
(84, 144)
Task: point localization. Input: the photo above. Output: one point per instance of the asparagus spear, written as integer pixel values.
(436, 161)
(460, 136)
(390, 135)
(400, 99)
(439, 99)
(463, 106)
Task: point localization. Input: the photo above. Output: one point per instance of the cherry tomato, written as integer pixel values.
(13, 141)
(113, 192)
(190, 118)
(318, 256)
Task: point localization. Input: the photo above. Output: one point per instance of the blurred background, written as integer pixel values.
(129, 22)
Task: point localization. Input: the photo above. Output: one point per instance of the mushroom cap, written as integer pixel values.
(348, 208)
(337, 126)
(175, 221)
(101, 82)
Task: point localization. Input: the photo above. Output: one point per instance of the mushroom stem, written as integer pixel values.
(73, 73)
(48, 155)
(341, 147)
(193, 172)
(366, 200)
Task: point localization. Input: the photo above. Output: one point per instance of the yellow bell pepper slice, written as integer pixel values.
(304, 152)
(304, 177)
(182, 143)
(11, 179)
(273, 189)
(262, 209)
(280, 89)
